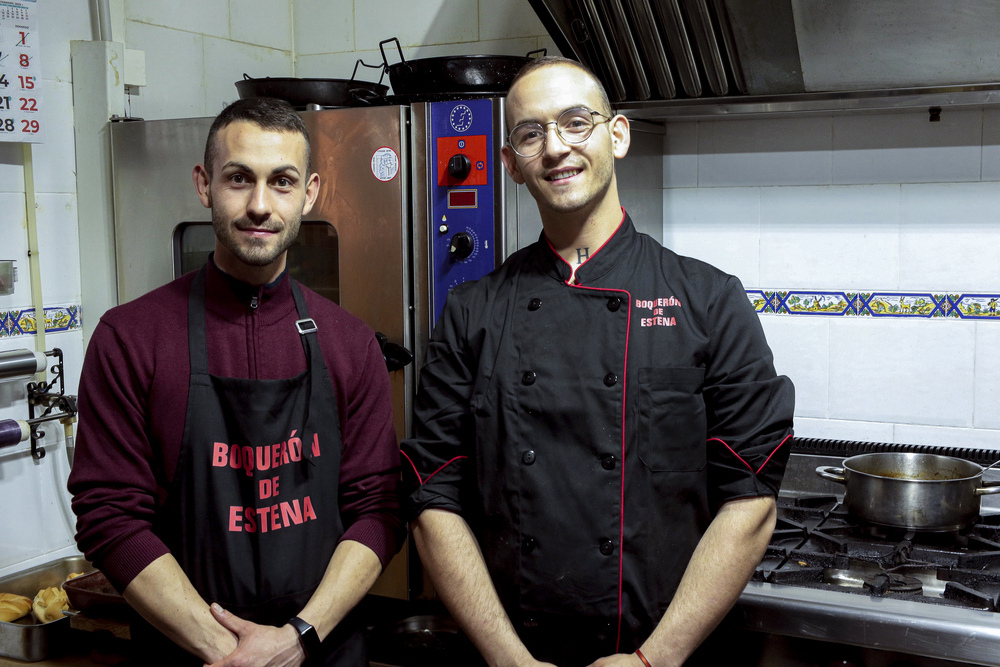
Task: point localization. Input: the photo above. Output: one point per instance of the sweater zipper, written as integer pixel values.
(252, 336)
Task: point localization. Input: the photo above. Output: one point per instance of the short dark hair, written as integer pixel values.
(266, 113)
(550, 61)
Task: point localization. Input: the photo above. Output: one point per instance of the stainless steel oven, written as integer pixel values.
(414, 200)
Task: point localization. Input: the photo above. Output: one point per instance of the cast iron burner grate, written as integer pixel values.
(817, 544)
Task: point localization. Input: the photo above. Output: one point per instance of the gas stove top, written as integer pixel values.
(829, 576)
(817, 544)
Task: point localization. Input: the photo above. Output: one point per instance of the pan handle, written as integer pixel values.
(385, 60)
(362, 62)
(832, 473)
(543, 52)
(988, 489)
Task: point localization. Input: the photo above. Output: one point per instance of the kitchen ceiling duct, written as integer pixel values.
(667, 58)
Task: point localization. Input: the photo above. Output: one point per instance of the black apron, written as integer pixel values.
(253, 515)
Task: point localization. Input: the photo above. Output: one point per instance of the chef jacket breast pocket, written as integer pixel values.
(672, 428)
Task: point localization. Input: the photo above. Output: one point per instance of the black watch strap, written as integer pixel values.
(307, 636)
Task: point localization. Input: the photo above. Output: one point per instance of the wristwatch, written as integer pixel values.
(307, 636)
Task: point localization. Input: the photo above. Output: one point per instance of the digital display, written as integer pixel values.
(462, 199)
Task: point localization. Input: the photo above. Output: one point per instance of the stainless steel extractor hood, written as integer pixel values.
(663, 59)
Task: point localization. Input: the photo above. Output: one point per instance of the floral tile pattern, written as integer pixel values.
(24, 323)
(876, 304)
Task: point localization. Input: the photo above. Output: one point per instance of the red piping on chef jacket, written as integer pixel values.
(628, 325)
(757, 471)
(417, 473)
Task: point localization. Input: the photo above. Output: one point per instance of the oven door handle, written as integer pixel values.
(396, 356)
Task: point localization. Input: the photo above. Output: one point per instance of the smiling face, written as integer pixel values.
(566, 179)
(259, 189)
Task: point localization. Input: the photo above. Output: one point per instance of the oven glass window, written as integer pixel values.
(313, 259)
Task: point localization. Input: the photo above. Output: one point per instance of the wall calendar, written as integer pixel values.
(21, 107)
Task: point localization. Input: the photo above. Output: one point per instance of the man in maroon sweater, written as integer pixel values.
(236, 464)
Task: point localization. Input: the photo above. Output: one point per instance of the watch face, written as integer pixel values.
(461, 118)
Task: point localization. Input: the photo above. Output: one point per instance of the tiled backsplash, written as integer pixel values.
(23, 322)
(876, 304)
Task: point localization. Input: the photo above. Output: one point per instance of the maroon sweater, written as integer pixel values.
(133, 400)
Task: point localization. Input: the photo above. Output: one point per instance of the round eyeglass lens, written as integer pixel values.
(573, 125)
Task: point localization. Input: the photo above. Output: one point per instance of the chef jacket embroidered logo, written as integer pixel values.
(272, 515)
(656, 308)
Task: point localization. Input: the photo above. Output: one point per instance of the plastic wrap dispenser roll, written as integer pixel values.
(20, 364)
(13, 431)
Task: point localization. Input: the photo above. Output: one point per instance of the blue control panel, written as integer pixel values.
(463, 220)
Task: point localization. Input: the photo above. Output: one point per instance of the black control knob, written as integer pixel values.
(459, 166)
(461, 246)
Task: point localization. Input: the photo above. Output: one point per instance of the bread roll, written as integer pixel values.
(49, 604)
(13, 607)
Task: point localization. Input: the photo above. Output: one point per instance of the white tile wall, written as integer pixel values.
(801, 349)
(781, 151)
(53, 173)
(262, 23)
(58, 248)
(839, 429)
(680, 155)
(991, 145)
(830, 237)
(11, 169)
(175, 71)
(415, 22)
(57, 28)
(326, 26)
(907, 147)
(914, 434)
(507, 20)
(204, 17)
(718, 225)
(987, 378)
(949, 237)
(908, 372)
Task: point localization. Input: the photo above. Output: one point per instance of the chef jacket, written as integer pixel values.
(589, 432)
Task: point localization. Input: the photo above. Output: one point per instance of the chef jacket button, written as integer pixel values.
(608, 462)
(528, 378)
(614, 303)
(528, 545)
(528, 457)
(534, 304)
(607, 547)
(610, 379)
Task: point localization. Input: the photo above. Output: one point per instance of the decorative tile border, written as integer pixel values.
(15, 323)
(876, 304)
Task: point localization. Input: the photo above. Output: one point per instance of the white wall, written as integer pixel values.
(872, 203)
(195, 50)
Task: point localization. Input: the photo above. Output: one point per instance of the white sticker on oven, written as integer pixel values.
(385, 164)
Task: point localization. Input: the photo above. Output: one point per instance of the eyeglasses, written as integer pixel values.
(574, 126)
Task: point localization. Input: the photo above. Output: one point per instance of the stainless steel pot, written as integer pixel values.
(915, 491)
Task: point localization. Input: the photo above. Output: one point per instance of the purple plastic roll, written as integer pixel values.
(12, 432)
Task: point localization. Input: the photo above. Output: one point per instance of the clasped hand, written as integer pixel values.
(259, 645)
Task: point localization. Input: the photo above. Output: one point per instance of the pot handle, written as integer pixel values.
(542, 52)
(364, 95)
(362, 62)
(385, 61)
(988, 489)
(835, 474)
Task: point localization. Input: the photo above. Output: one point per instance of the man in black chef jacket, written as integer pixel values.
(600, 432)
